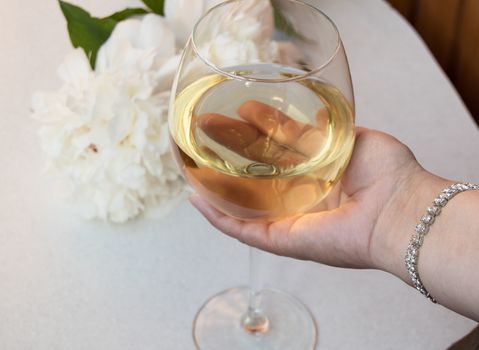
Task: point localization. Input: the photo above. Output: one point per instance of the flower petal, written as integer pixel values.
(166, 74)
(156, 34)
(182, 16)
(136, 44)
(75, 68)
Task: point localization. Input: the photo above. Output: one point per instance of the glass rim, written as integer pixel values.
(218, 70)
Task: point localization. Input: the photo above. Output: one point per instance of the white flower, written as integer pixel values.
(241, 36)
(139, 45)
(107, 131)
(183, 15)
(134, 38)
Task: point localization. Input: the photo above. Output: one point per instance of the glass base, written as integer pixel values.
(218, 326)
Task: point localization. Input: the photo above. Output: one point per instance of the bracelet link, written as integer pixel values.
(412, 253)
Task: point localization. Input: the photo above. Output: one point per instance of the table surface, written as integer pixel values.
(66, 283)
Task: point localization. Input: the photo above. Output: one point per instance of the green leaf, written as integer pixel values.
(90, 33)
(86, 31)
(127, 13)
(157, 6)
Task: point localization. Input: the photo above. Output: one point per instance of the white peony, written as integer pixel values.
(107, 130)
(183, 15)
(242, 36)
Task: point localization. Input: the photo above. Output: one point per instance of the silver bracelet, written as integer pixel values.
(412, 254)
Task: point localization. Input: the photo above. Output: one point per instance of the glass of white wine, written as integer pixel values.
(262, 125)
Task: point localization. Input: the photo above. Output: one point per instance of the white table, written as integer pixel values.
(70, 284)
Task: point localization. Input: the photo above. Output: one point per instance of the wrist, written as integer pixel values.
(413, 193)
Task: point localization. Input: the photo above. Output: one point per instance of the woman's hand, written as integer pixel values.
(388, 192)
(377, 174)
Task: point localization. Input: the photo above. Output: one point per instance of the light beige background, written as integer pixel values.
(70, 284)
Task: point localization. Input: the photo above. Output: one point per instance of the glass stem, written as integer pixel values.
(254, 320)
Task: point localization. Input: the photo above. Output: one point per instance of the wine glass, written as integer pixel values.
(262, 125)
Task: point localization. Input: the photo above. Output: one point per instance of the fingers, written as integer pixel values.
(303, 138)
(246, 140)
(326, 237)
(272, 122)
(266, 135)
(267, 151)
(252, 233)
(322, 118)
(234, 134)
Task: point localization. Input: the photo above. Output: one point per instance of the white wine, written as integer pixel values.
(262, 149)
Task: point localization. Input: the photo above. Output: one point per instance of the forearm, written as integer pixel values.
(449, 258)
